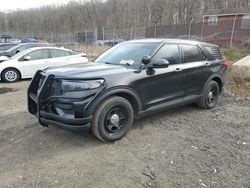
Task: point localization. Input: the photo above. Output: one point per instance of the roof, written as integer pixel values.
(39, 48)
(45, 47)
(165, 40)
(228, 11)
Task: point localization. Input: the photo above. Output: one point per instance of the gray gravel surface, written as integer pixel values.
(184, 147)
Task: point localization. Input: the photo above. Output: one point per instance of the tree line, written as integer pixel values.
(80, 15)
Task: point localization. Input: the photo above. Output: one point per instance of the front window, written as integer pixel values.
(169, 52)
(127, 54)
(38, 54)
(246, 21)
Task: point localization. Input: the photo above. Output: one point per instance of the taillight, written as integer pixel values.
(226, 64)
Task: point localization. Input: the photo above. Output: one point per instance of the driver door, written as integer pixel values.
(163, 85)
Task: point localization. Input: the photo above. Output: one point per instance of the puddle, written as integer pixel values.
(6, 90)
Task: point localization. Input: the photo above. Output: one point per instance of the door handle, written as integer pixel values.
(178, 69)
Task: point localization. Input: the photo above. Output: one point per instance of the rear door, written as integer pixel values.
(195, 67)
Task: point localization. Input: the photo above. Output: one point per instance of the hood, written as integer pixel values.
(88, 70)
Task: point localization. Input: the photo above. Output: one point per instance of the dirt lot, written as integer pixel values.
(185, 147)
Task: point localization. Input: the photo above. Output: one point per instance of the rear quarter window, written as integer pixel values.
(59, 53)
(74, 53)
(214, 52)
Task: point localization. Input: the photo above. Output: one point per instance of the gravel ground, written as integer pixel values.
(184, 147)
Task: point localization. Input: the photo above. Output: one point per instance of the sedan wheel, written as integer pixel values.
(10, 75)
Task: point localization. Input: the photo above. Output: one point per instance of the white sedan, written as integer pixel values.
(26, 63)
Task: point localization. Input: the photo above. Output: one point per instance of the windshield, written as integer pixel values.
(14, 48)
(127, 54)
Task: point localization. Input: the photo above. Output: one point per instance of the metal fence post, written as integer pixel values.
(51, 37)
(131, 33)
(189, 30)
(232, 35)
(86, 36)
(96, 36)
(155, 31)
(103, 33)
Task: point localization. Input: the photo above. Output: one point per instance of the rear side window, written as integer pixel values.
(192, 53)
(74, 53)
(59, 53)
(214, 52)
(169, 52)
(38, 54)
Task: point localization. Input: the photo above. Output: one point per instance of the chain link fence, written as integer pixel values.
(227, 33)
(231, 32)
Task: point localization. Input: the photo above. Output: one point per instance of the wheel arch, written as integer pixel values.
(219, 81)
(217, 78)
(1, 74)
(126, 93)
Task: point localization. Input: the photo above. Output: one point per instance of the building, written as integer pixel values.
(227, 21)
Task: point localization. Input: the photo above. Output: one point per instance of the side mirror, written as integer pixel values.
(161, 63)
(27, 58)
(17, 51)
(146, 60)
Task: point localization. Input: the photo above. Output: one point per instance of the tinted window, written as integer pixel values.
(215, 52)
(192, 53)
(38, 54)
(59, 53)
(169, 52)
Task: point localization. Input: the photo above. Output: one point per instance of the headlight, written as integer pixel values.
(79, 85)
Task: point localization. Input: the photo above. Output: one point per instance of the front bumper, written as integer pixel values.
(43, 104)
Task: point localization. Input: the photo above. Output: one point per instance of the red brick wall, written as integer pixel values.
(225, 24)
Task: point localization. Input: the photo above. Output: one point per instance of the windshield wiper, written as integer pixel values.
(118, 64)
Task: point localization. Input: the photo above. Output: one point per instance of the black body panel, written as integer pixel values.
(149, 89)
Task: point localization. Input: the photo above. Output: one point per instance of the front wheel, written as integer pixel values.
(11, 75)
(112, 119)
(210, 95)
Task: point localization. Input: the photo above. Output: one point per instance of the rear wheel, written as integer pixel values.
(210, 95)
(112, 119)
(11, 75)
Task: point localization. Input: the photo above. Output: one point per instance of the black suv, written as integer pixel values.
(130, 80)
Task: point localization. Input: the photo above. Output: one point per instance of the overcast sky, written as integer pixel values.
(10, 5)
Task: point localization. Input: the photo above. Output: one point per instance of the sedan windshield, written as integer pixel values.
(127, 54)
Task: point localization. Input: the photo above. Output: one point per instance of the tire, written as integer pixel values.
(11, 75)
(112, 119)
(210, 96)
